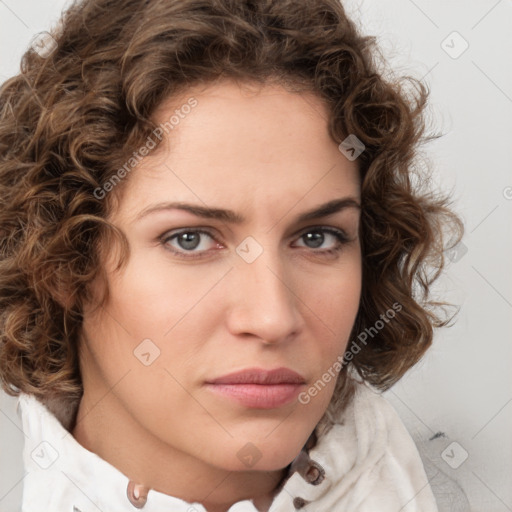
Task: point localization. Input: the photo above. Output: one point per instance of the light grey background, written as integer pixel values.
(462, 387)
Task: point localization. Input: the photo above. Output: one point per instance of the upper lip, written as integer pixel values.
(260, 376)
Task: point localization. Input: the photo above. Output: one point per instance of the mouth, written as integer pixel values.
(258, 388)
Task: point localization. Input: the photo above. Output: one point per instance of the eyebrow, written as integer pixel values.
(229, 216)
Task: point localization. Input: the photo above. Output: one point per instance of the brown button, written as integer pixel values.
(137, 494)
(299, 502)
(314, 474)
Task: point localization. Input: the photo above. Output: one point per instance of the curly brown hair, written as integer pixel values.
(68, 120)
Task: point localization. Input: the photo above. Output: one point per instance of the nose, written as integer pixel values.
(264, 303)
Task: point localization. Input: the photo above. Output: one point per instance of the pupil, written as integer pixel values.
(189, 240)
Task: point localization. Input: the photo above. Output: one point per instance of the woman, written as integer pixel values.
(215, 253)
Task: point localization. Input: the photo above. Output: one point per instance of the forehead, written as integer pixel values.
(249, 145)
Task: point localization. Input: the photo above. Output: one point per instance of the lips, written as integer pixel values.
(257, 388)
(260, 376)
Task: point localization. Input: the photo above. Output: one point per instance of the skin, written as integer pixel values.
(266, 154)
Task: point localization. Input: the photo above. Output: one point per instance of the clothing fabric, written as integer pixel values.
(367, 462)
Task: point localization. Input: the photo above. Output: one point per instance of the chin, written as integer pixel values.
(260, 455)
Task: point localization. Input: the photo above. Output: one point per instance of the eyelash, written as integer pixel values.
(338, 234)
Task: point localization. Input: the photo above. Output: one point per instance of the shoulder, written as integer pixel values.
(371, 456)
(376, 426)
(369, 423)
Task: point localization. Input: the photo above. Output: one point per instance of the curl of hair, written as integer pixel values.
(68, 122)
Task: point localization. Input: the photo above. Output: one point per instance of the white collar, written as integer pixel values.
(366, 462)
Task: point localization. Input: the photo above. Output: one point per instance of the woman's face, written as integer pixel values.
(248, 281)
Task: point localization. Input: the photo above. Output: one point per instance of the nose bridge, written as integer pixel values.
(265, 304)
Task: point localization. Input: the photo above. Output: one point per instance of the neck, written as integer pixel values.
(104, 427)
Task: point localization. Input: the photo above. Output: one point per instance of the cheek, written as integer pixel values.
(335, 296)
(335, 304)
(338, 298)
(153, 296)
(155, 319)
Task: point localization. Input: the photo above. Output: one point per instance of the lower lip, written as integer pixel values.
(258, 396)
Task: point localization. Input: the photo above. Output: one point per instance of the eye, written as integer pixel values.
(315, 237)
(185, 242)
